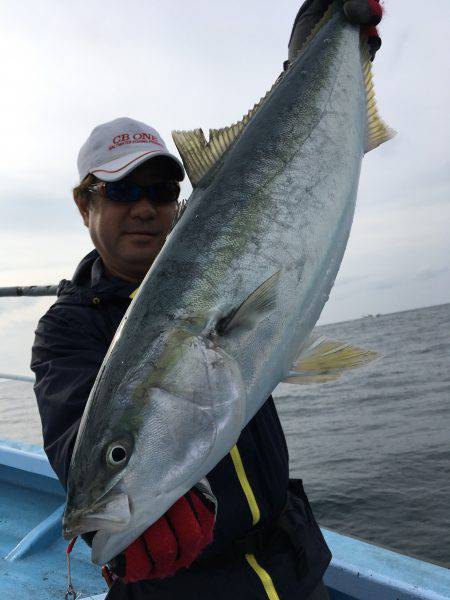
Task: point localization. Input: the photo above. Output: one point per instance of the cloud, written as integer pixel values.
(429, 273)
(345, 281)
(38, 212)
(40, 258)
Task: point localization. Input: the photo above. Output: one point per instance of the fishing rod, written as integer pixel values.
(28, 290)
(13, 377)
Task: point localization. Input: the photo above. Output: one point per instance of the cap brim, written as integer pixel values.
(117, 169)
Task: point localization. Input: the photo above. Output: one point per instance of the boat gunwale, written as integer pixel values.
(359, 569)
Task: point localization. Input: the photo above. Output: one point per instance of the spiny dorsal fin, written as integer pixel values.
(321, 360)
(199, 155)
(377, 130)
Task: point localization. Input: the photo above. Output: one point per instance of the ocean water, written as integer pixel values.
(373, 448)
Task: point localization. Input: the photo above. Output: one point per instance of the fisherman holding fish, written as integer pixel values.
(246, 531)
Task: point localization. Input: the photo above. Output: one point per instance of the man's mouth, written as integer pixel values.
(142, 232)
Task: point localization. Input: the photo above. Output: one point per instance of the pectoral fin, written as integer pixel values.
(321, 360)
(258, 305)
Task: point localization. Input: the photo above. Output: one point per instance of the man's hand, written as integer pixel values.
(367, 13)
(172, 542)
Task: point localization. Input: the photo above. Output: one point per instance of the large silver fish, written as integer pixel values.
(233, 297)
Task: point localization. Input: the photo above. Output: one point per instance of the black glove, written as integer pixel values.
(366, 13)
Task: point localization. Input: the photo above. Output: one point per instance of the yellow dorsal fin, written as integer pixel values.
(199, 155)
(377, 130)
(321, 360)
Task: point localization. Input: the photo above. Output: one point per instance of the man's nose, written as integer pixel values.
(143, 208)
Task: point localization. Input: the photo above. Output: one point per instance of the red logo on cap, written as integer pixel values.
(121, 139)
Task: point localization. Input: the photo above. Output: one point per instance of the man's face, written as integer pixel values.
(129, 236)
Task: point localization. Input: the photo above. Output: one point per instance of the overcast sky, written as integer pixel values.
(67, 67)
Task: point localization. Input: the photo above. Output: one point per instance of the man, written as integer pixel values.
(264, 542)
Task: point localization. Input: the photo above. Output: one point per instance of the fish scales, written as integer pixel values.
(256, 217)
(173, 388)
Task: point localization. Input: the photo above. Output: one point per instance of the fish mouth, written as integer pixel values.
(111, 513)
(106, 545)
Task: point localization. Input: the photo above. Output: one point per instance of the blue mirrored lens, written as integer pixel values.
(123, 191)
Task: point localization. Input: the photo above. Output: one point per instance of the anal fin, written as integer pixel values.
(377, 130)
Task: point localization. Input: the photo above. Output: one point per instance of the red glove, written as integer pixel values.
(172, 542)
(367, 13)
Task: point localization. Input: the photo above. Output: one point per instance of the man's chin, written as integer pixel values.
(136, 261)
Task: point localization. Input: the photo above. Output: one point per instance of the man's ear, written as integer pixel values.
(83, 206)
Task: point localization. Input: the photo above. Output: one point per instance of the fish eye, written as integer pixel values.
(116, 455)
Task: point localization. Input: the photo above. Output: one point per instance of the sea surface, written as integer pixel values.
(373, 448)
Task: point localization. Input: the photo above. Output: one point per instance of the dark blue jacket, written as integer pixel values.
(251, 483)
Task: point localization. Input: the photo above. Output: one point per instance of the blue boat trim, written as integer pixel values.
(25, 460)
(43, 535)
(363, 570)
(33, 551)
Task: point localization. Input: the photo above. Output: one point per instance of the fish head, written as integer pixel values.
(185, 399)
(176, 414)
(96, 493)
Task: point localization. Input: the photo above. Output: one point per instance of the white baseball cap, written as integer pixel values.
(115, 148)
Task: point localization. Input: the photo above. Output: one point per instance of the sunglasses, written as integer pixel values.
(163, 192)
